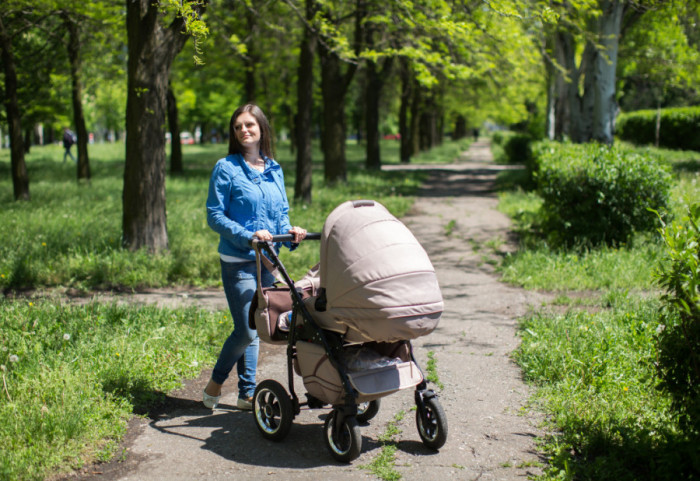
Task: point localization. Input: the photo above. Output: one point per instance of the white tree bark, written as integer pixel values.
(603, 68)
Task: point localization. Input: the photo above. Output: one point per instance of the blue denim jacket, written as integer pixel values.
(242, 200)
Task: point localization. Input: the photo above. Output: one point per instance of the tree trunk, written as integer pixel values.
(416, 107)
(303, 128)
(176, 167)
(152, 49)
(571, 122)
(251, 59)
(404, 127)
(76, 97)
(20, 179)
(334, 85)
(460, 128)
(604, 68)
(373, 90)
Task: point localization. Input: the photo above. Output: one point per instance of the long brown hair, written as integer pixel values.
(234, 147)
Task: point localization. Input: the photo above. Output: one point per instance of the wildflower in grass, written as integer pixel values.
(14, 358)
(66, 337)
(625, 389)
(43, 244)
(31, 304)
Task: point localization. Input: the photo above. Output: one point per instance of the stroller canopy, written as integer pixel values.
(377, 277)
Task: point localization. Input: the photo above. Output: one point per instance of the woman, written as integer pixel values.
(246, 199)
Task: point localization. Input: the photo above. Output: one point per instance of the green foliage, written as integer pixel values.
(679, 340)
(595, 372)
(517, 149)
(597, 194)
(678, 128)
(69, 235)
(73, 375)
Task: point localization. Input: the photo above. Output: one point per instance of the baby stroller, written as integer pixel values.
(347, 325)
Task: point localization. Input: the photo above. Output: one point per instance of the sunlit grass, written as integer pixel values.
(69, 234)
(72, 376)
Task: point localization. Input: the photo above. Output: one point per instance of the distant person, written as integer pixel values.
(476, 134)
(68, 141)
(246, 199)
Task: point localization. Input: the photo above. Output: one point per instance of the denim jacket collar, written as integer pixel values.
(252, 174)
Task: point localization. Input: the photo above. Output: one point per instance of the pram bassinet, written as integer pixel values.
(376, 280)
(377, 289)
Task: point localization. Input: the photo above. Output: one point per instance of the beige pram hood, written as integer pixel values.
(379, 282)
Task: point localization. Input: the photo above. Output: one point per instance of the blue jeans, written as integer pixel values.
(241, 347)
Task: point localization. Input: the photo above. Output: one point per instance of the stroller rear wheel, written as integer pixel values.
(342, 438)
(366, 411)
(273, 410)
(431, 422)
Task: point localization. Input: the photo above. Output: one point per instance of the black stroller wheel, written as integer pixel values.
(273, 410)
(366, 411)
(432, 423)
(344, 441)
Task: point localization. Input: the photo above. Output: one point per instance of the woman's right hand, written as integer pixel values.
(263, 235)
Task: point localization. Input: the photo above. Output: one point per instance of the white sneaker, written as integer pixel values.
(245, 404)
(210, 401)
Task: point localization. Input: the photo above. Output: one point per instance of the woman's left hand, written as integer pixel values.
(299, 234)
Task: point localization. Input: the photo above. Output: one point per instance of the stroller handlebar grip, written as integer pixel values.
(290, 237)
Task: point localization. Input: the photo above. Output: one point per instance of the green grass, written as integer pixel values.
(73, 375)
(70, 235)
(594, 365)
(596, 381)
(382, 466)
(537, 265)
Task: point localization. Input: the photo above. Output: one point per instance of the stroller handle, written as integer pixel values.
(290, 237)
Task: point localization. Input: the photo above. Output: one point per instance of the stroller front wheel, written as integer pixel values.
(342, 438)
(367, 410)
(432, 423)
(273, 410)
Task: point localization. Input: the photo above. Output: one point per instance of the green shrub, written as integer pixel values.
(678, 127)
(517, 149)
(497, 137)
(595, 194)
(679, 341)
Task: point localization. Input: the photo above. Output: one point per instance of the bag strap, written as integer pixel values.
(260, 259)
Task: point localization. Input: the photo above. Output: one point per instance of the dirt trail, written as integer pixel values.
(491, 436)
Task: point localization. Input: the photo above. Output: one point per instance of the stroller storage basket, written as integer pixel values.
(323, 382)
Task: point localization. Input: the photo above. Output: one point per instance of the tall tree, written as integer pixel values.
(303, 127)
(590, 111)
(71, 21)
(338, 67)
(20, 178)
(176, 166)
(152, 47)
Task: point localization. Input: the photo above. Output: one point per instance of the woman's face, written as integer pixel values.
(247, 131)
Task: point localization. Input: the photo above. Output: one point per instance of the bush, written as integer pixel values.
(678, 128)
(679, 341)
(517, 149)
(597, 194)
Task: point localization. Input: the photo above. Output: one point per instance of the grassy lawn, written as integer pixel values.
(73, 375)
(70, 235)
(592, 354)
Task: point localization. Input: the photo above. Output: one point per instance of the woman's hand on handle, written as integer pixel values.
(298, 233)
(263, 235)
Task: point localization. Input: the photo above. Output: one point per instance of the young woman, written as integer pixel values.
(246, 199)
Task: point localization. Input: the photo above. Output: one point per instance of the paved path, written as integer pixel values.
(491, 434)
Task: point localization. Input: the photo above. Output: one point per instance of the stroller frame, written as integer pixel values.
(274, 409)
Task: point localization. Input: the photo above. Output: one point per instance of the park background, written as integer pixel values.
(597, 100)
